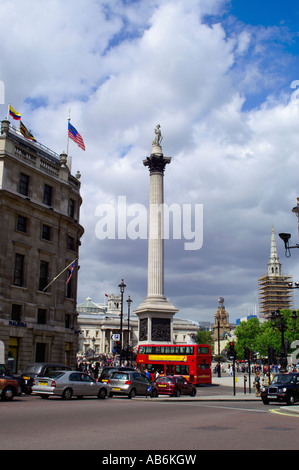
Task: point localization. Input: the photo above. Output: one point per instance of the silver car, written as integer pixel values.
(131, 383)
(67, 384)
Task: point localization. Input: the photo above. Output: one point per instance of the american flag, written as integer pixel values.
(74, 134)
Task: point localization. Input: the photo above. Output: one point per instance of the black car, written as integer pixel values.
(41, 369)
(283, 388)
(4, 372)
(107, 371)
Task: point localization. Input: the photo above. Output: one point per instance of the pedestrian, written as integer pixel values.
(148, 374)
(257, 385)
(157, 375)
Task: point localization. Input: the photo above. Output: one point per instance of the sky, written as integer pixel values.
(222, 79)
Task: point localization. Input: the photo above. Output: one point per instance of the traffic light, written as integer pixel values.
(272, 355)
(246, 354)
(231, 351)
(118, 347)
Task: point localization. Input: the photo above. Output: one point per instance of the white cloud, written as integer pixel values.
(122, 67)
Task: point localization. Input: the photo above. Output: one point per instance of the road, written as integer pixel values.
(30, 423)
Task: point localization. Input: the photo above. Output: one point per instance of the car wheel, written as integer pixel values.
(154, 394)
(193, 393)
(102, 393)
(265, 401)
(44, 397)
(7, 394)
(132, 393)
(291, 400)
(67, 394)
(177, 394)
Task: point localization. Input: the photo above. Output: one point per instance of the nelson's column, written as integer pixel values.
(155, 314)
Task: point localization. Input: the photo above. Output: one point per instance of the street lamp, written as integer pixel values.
(279, 322)
(286, 236)
(129, 301)
(122, 286)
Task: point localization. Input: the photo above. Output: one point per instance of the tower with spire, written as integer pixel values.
(274, 290)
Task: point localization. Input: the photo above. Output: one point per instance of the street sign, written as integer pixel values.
(116, 337)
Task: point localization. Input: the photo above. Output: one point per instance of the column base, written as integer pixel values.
(155, 317)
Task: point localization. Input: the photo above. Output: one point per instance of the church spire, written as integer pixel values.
(274, 266)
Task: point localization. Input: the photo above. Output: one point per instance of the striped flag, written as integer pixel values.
(15, 115)
(71, 271)
(24, 131)
(75, 136)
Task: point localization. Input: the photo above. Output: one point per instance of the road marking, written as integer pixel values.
(291, 413)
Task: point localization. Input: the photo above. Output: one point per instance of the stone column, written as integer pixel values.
(156, 313)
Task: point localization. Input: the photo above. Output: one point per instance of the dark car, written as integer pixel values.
(41, 369)
(107, 371)
(283, 388)
(4, 371)
(174, 386)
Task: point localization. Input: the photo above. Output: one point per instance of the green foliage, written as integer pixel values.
(205, 337)
(259, 336)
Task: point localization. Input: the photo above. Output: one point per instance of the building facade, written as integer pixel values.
(40, 236)
(99, 324)
(274, 290)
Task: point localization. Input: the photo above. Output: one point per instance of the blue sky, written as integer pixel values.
(216, 75)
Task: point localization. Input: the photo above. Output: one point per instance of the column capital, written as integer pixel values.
(156, 163)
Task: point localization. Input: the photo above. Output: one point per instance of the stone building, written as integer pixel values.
(40, 236)
(99, 323)
(221, 327)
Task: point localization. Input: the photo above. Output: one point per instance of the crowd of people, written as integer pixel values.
(94, 367)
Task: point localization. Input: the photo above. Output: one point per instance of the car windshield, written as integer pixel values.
(32, 369)
(119, 376)
(107, 372)
(165, 380)
(283, 379)
(55, 375)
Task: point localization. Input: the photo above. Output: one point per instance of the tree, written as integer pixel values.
(259, 336)
(247, 334)
(205, 337)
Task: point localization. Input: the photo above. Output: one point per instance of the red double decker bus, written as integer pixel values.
(192, 361)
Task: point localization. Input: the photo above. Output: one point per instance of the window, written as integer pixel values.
(47, 195)
(69, 286)
(70, 243)
(24, 184)
(71, 208)
(16, 312)
(18, 278)
(67, 322)
(44, 275)
(22, 224)
(41, 316)
(46, 232)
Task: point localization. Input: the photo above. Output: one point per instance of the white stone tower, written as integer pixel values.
(155, 314)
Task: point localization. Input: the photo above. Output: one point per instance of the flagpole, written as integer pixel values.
(56, 277)
(7, 111)
(68, 139)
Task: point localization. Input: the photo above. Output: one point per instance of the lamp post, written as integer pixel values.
(129, 301)
(279, 322)
(121, 286)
